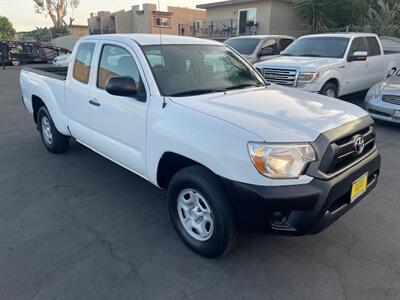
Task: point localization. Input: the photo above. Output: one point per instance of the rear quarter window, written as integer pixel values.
(83, 62)
(373, 47)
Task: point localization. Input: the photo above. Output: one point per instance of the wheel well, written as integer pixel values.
(37, 103)
(170, 163)
(334, 81)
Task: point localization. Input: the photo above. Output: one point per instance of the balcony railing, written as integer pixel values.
(222, 29)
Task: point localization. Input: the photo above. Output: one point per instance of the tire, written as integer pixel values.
(52, 139)
(329, 89)
(198, 184)
(15, 62)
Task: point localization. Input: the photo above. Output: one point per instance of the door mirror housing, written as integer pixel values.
(124, 86)
(266, 51)
(358, 56)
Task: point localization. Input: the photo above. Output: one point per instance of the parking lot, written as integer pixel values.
(77, 226)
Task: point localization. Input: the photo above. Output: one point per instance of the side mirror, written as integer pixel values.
(121, 86)
(358, 56)
(266, 51)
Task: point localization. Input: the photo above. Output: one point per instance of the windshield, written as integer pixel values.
(333, 47)
(182, 70)
(245, 46)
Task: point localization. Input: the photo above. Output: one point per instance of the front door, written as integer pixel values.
(119, 123)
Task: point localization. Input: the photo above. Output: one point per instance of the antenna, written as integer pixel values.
(164, 104)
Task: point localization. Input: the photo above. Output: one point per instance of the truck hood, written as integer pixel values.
(274, 113)
(302, 63)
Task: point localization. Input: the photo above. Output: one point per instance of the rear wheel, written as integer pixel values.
(201, 212)
(53, 140)
(329, 89)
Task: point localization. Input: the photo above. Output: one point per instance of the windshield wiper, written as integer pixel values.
(242, 86)
(196, 92)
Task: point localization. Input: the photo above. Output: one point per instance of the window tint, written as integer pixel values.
(116, 61)
(284, 43)
(373, 47)
(271, 43)
(244, 46)
(83, 62)
(358, 45)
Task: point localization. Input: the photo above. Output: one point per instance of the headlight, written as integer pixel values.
(281, 161)
(374, 92)
(308, 77)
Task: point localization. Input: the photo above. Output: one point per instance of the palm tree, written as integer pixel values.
(385, 13)
(315, 12)
(384, 16)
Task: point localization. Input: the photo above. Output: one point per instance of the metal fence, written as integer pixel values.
(389, 31)
(221, 29)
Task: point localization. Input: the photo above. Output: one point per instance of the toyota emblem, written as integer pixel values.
(359, 145)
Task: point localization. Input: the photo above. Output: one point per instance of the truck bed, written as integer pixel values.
(59, 73)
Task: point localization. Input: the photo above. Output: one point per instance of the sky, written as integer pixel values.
(22, 14)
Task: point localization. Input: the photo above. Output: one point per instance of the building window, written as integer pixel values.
(162, 22)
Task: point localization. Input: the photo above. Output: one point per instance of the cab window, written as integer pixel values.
(271, 43)
(358, 45)
(373, 47)
(83, 62)
(116, 61)
(284, 43)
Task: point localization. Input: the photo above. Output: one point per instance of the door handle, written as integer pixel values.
(94, 102)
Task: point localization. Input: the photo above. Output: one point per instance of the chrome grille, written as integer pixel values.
(392, 99)
(280, 76)
(341, 153)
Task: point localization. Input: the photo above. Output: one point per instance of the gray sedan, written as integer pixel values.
(383, 99)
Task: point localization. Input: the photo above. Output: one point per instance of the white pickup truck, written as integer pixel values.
(193, 117)
(331, 64)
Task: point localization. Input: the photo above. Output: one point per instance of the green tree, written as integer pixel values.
(348, 12)
(57, 10)
(315, 12)
(385, 13)
(7, 30)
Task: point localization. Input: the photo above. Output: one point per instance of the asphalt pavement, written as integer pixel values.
(77, 226)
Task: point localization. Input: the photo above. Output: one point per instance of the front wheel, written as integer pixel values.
(329, 89)
(53, 140)
(200, 211)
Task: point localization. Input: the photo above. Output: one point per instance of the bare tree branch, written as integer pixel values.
(56, 9)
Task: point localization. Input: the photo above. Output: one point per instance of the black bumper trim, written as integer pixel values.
(308, 208)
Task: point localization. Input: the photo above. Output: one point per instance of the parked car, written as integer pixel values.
(331, 64)
(257, 48)
(62, 60)
(383, 99)
(195, 118)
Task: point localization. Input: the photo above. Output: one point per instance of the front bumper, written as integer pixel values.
(381, 110)
(300, 209)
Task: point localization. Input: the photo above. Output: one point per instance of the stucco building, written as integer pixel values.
(146, 19)
(243, 17)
